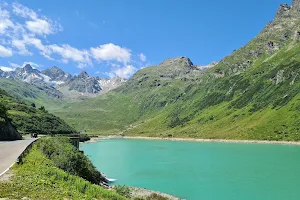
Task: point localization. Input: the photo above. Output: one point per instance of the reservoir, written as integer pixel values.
(196, 170)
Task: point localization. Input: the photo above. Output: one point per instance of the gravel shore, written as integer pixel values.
(217, 140)
(143, 193)
(196, 140)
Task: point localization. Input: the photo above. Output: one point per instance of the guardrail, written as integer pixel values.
(20, 158)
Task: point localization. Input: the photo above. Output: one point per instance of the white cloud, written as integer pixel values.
(5, 24)
(39, 26)
(36, 24)
(92, 24)
(24, 31)
(14, 65)
(23, 11)
(115, 65)
(5, 21)
(125, 72)
(21, 46)
(32, 64)
(142, 57)
(70, 53)
(82, 65)
(111, 52)
(37, 43)
(6, 69)
(5, 52)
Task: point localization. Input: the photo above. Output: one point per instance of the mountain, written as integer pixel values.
(28, 75)
(60, 84)
(57, 75)
(41, 95)
(28, 119)
(250, 94)
(83, 83)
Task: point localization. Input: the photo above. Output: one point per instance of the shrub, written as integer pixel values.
(66, 157)
(123, 190)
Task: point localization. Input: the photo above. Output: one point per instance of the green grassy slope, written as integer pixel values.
(40, 95)
(251, 94)
(38, 177)
(28, 119)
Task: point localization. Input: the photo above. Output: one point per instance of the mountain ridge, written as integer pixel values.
(64, 83)
(250, 94)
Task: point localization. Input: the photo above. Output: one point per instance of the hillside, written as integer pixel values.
(40, 95)
(7, 131)
(250, 94)
(28, 119)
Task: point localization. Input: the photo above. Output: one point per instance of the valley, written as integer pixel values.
(251, 94)
(225, 130)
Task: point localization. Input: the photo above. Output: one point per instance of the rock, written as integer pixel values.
(8, 131)
(53, 79)
(56, 74)
(296, 3)
(279, 77)
(83, 75)
(282, 11)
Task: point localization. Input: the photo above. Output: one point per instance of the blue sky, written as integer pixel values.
(118, 37)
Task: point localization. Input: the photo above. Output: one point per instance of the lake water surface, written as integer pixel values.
(195, 171)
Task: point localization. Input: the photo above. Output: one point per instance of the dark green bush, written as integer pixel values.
(66, 157)
(84, 137)
(123, 191)
(27, 119)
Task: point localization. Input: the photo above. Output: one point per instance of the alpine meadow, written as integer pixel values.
(149, 100)
(251, 94)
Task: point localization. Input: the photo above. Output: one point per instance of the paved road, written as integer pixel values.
(10, 151)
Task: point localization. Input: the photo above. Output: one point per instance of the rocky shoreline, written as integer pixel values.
(142, 193)
(96, 139)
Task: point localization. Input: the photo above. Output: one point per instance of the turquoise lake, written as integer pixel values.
(195, 170)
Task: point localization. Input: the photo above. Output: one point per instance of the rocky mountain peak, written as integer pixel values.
(184, 60)
(56, 79)
(288, 11)
(28, 68)
(179, 61)
(56, 74)
(296, 3)
(283, 11)
(83, 75)
(57, 69)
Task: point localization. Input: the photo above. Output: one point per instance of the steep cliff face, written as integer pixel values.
(7, 131)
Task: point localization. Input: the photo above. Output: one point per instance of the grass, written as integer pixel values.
(40, 96)
(251, 94)
(38, 178)
(28, 118)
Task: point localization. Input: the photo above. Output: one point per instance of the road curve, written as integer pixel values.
(10, 151)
